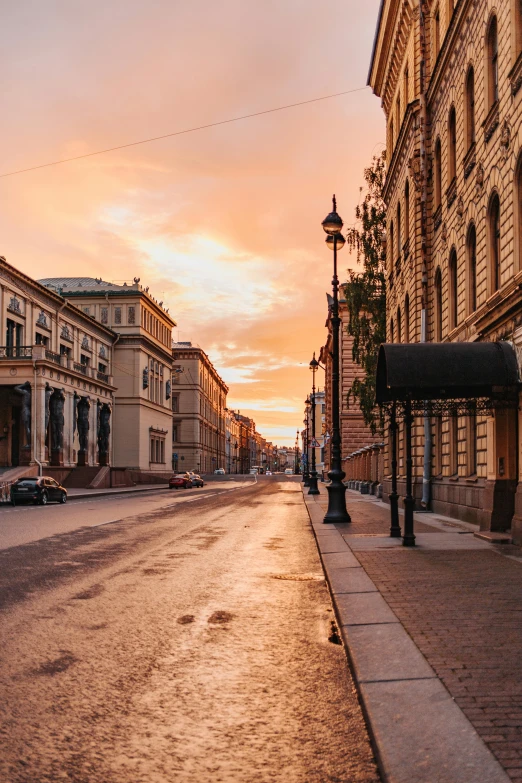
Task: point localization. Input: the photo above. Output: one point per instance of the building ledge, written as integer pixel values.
(515, 75)
(491, 122)
(470, 160)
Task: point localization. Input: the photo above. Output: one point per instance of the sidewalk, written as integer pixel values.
(434, 637)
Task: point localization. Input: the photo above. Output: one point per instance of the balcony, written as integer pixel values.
(54, 357)
(101, 376)
(82, 368)
(16, 352)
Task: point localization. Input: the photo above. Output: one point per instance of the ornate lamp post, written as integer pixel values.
(296, 460)
(332, 224)
(306, 472)
(314, 364)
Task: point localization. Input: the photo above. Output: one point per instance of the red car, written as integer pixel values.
(180, 480)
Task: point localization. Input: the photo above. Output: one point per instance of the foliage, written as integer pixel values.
(365, 291)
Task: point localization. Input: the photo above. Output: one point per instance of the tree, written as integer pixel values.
(365, 291)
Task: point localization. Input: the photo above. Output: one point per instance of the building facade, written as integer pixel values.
(199, 398)
(57, 391)
(354, 432)
(449, 75)
(141, 368)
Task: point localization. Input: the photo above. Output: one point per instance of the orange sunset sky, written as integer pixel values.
(223, 224)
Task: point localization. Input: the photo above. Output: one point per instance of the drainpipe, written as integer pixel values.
(426, 472)
(35, 428)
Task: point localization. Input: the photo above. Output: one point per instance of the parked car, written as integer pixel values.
(269, 473)
(219, 472)
(253, 471)
(180, 480)
(197, 481)
(40, 489)
(289, 472)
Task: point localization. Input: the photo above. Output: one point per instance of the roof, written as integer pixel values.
(83, 284)
(437, 371)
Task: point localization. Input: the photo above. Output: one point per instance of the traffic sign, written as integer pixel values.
(315, 444)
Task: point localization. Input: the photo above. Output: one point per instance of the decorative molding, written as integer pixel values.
(460, 207)
(414, 166)
(470, 160)
(479, 177)
(451, 193)
(444, 234)
(505, 138)
(437, 217)
(515, 76)
(491, 122)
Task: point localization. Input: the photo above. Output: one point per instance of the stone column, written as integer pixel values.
(38, 420)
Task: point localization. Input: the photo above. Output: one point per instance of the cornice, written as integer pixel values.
(382, 43)
(404, 134)
(401, 33)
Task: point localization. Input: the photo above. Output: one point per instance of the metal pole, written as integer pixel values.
(395, 528)
(306, 471)
(313, 475)
(336, 489)
(409, 538)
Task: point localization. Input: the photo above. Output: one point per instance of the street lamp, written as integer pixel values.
(314, 364)
(306, 472)
(296, 460)
(332, 224)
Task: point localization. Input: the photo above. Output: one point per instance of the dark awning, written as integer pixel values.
(444, 371)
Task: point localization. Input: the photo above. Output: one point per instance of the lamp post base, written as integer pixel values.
(312, 483)
(337, 513)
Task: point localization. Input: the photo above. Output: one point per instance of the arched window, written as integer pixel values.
(392, 331)
(518, 216)
(517, 27)
(452, 144)
(438, 174)
(407, 211)
(406, 336)
(471, 246)
(399, 325)
(399, 239)
(406, 86)
(437, 315)
(492, 62)
(391, 251)
(494, 243)
(452, 279)
(436, 32)
(470, 108)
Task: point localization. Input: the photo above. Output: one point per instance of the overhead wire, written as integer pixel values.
(181, 132)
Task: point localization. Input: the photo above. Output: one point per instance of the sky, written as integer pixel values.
(223, 224)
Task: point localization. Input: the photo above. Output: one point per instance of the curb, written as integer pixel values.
(417, 731)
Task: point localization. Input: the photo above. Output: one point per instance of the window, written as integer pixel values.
(104, 315)
(518, 216)
(131, 314)
(453, 303)
(64, 350)
(452, 144)
(175, 433)
(117, 315)
(175, 403)
(84, 360)
(86, 310)
(406, 336)
(392, 245)
(517, 27)
(399, 325)
(399, 243)
(454, 445)
(406, 86)
(494, 242)
(471, 246)
(492, 62)
(407, 211)
(438, 175)
(472, 444)
(41, 339)
(436, 32)
(391, 137)
(102, 367)
(398, 109)
(470, 108)
(391, 331)
(437, 315)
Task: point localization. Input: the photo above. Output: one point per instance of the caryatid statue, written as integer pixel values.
(104, 429)
(24, 389)
(48, 392)
(57, 419)
(83, 408)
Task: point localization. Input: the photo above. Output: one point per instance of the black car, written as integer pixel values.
(40, 489)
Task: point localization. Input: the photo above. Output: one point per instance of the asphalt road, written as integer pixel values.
(25, 523)
(185, 643)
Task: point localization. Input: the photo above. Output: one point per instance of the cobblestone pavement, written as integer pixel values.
(463, 609)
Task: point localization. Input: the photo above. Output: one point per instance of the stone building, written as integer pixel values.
(354, 432)
(141, 368)
(449, 75)
(199, 398)
(56, 380)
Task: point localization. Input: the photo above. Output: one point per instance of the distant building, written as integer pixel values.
(199, 398)
(141, 368)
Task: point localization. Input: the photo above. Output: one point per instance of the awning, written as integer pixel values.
(445, 371)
